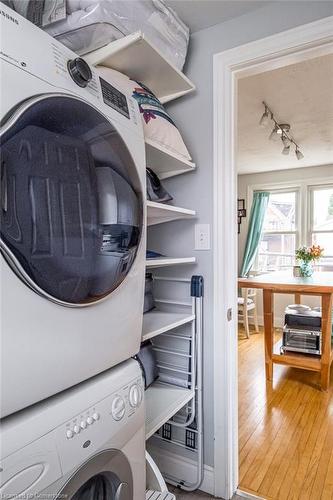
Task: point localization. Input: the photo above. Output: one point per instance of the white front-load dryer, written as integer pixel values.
(86, 443)
(72, 218)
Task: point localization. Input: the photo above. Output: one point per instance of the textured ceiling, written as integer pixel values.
(301, 95)
(201, 14)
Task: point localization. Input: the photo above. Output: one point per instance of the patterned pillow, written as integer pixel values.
(157, 124)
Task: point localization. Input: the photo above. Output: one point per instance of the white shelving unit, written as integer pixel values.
(166, 163)
(168, 261)
(139, 59)
(162, 402)
(158, 213)
(156, 322)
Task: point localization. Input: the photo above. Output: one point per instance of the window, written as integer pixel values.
(321, 221)
(280, 232)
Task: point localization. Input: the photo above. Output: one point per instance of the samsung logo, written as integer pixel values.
(8, 16)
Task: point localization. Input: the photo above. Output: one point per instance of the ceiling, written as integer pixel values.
(299, 94)
(201, 14)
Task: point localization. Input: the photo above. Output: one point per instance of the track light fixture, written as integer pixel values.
(280, 131)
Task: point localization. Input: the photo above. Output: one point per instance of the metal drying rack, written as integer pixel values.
(179, 359)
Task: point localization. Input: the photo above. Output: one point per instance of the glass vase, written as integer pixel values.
(306, 269)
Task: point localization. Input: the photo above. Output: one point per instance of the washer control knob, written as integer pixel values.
(83, 424)
(118, 408)
(90, 420)
(135, 395)
(69, 434)
(76, 429)
(79, 71)
(95, 416)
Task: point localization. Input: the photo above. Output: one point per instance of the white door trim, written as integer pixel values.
(288, 47)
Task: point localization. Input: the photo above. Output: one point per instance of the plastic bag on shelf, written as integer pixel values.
(91, 24)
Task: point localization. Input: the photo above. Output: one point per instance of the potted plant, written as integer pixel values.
(307, 256)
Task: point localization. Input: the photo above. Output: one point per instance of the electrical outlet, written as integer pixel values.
(202, 237)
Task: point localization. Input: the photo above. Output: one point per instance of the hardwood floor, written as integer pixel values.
(285, 429)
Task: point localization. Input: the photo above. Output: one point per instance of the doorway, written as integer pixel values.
(296, 45)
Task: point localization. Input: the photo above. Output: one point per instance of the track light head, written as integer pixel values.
(285, 140)
(274, 134)
(299, 154)
(286, 150)
(265, 118)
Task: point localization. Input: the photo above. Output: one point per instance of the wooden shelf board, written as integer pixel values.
(138, 58)
(165, 163)
(162, 402)
(156, 322)
(157, 213)
(296, 359)
(168, 261)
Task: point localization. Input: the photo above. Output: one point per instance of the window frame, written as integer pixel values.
(296, 232)
(310, 220)
(303, 204)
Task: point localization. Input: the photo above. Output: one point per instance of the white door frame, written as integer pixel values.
(279, 50)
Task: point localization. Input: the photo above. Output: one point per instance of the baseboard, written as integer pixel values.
(249, 496)
(182, 467)
(278, 321)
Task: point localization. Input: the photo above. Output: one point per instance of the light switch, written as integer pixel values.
(202, 237)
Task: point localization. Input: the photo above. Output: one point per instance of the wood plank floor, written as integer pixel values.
(285, 429)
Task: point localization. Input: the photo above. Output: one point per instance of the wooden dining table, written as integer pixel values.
(320, 284)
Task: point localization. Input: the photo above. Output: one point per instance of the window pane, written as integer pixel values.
(325, 240)
(280, 214)
(276, 251)
(323, 209)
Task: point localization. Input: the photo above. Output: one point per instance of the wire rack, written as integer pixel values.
(179, 360)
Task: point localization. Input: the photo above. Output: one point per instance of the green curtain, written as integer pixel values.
(258, 210)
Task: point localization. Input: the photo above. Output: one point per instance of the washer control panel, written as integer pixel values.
(100, 425)
(118, 406)
(82, 424)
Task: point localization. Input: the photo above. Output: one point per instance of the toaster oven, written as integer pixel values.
(306, 340)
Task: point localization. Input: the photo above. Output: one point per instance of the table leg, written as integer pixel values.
(297, 298)
(326, 328)
(268, 331)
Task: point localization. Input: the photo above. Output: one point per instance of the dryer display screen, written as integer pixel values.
(113, 98)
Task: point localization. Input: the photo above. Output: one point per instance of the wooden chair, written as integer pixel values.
(246, 303)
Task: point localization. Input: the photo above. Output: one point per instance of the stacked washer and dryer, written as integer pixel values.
(72, 275)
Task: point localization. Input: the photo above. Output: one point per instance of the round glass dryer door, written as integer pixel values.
(106, 476)
(71, 203)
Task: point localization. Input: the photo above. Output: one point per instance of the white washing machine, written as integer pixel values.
(86, 443)
(72, 218)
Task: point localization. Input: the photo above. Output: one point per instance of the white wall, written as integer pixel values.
(194, 115)
(295, 176)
